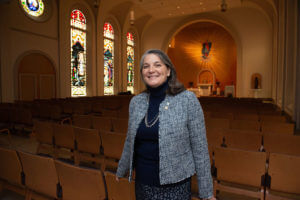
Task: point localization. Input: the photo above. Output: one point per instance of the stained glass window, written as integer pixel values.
(78, 54)
(108, 59)
(130, 62)
(33, 7)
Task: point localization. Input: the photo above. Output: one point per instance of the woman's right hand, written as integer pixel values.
(117, 179)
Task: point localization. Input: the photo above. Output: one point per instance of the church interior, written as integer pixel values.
(69, 68)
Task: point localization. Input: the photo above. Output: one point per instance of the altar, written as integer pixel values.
(205, 89)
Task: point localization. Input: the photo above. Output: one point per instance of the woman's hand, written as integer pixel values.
(212, 198)
(117, 179)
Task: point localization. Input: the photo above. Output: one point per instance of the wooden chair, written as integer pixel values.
(88, 145)
(281, 143)
(82, 121)
(43, 131)
(243, 140)
(277, 127)
(214, 136)
(113, 146)
(64, 140)
(245, 125)
(11, 176)
(8, 139)
(120, 125)
(119, 190)
(272, 118)
(246, 116)
(217, 123)
(238, 171)
(102, 123)
(80, 183)
(41, 179)
(285, 177)
(221, 115)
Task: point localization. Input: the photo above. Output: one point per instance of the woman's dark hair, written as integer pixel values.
(175, 87)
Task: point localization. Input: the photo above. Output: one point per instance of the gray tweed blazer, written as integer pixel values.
(182, 140)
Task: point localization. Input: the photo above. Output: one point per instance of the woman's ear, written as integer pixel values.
(169, 72)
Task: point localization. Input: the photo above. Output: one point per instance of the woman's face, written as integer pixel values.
(154, 71)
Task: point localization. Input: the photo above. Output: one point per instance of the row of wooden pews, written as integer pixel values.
(253, 149)
(39, 177)
(79, 144)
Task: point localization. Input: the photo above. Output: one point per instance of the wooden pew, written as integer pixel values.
(245, 125)
(237, 170)
(285, 177)
(43, 131)
(11, 175)
(214, 136)
(82, 121)
(41, 179)
(113, 146)
(88, 142)
(217, 123)
(277, 127)
(102, 123)
(80, 183)
(282, 143)
(245, 140)
(64, 141)
(120, 125)
(119, 190)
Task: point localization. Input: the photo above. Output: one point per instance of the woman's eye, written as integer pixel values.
(157, 65)
(145, 66)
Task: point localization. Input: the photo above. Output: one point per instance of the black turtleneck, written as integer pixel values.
(146, 142)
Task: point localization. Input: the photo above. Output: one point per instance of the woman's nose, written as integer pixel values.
(151, 68)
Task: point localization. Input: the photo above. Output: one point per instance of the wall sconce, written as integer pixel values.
(131, 17)
(223, 6)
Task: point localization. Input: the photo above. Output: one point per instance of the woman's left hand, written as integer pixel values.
(212, 198)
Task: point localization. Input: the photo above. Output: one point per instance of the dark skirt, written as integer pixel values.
(178, 191)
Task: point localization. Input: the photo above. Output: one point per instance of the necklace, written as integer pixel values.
(153, 121)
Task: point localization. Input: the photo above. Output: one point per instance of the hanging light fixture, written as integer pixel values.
(96, 3)
(223, 6)
(131, 17)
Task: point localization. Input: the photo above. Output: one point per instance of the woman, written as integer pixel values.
(166, 139)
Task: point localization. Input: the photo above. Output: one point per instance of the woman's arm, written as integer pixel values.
(124, 162)
(197, 134)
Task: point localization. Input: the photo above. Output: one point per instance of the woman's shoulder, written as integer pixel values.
(186, 94)
(137, 98)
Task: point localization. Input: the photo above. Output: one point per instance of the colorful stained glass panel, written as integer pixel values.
(108, 67)
(130, 40)
(130, 68)
(78, 54)
(33, 7)
(108, 31)
(78, 19)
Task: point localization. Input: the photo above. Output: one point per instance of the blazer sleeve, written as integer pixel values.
(124, 162)
(197, 134)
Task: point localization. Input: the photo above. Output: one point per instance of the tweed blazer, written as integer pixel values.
(182, 140)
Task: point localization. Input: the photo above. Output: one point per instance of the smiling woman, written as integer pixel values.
(154, 71)
(166, 140)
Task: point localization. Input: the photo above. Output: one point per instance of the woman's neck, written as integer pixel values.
(158, 91)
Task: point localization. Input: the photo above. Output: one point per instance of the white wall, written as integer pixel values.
(22, 35)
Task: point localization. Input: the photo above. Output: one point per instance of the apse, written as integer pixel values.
(204, 53)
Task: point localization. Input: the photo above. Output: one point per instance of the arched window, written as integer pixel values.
(33, 7)
(78, 53)
(130, 62)
(108, 34)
